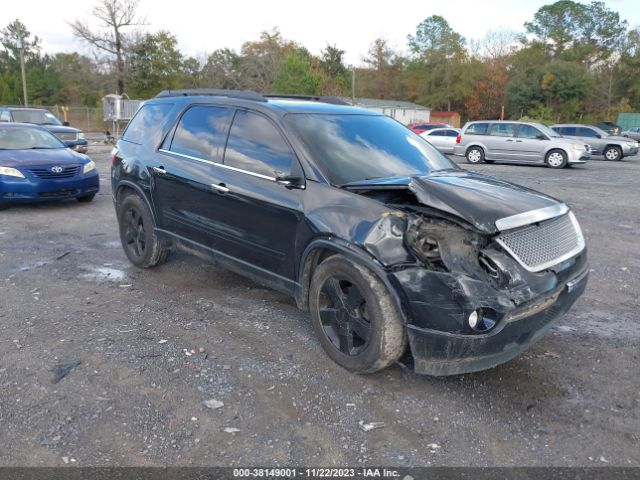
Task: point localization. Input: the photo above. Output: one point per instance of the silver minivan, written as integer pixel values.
(518, 142)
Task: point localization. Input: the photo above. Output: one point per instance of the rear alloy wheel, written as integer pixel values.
(475, 155)
(354, 317)
(556, 159)
(613, 153)
(137, 234)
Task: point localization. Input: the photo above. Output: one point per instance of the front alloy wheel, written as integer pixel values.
(613, 153)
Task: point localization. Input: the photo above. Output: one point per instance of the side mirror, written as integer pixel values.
(541, 136)
(290, 181)
(66, 124)
(598, 135)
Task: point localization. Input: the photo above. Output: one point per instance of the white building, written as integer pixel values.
(404, 112)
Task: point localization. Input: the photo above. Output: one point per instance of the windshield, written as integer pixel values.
(39, 117)
(28, 138)
(547, 131)
(351, 148)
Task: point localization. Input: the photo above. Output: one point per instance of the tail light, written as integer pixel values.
(458, 138)
(114, 152)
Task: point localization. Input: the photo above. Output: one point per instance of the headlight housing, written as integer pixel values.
(11, 172)
(578, 146)
(89, 167)
(632, 144)
(80, 136)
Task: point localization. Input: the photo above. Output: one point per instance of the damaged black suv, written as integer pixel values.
(392, 248)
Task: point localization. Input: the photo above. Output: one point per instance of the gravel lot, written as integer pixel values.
(155, 344)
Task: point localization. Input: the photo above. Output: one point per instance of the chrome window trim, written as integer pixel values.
(222, 165)
(532, 216)
(555, 261)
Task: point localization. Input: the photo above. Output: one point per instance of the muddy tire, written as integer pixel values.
(354, 316)
(556, 159)
(475, 155)
(137, 233)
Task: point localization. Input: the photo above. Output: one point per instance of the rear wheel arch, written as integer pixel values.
(125, 189)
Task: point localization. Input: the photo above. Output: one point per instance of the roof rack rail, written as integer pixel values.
(313, 98)
(214, 92)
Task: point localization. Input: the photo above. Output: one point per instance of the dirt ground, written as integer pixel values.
(155, 344)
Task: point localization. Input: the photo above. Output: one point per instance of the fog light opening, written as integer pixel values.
(479, 321)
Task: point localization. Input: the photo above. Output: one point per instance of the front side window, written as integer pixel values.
(4, 116)
(586, 132)
(147, 117)
(527, 131)
(256, 146)
(503, 129)
(355, 148)
(201, 132)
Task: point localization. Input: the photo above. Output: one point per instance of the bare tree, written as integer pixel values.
(15, 38)
(114, 16)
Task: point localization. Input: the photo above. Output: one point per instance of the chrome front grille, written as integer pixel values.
(541, 245)
(67, 136)
(47, 173)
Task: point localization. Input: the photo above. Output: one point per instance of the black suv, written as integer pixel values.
(392, 248)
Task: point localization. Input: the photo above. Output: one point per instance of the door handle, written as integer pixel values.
(518, 141)
(221, 187)
(159, 170)
(509, 140)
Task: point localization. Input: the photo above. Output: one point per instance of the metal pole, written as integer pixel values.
(353, 86)
(24, 75)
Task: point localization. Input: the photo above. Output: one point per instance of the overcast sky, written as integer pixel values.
(203, 26)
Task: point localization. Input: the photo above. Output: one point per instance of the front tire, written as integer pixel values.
(354, 316)
(475, 155)
(613, 153)
(137, 233)
(556, 159)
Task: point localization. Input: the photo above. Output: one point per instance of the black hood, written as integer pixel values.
(479, 200)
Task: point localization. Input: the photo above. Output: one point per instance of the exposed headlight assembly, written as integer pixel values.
(11, 172)
(578, 146)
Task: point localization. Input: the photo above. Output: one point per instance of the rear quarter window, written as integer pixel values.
(477, 129)
(148, 117)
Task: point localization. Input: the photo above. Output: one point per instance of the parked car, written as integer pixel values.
(72, 137)
(444, 139)
(609, 127)
(421, 127)
(600, 143)
(518, 142)
(633, 132)
(383, 239)
(36, 166)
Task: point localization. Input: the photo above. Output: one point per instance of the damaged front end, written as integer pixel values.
(469, 301)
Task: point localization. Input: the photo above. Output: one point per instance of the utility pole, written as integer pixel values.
(24, 74)
(353, 86)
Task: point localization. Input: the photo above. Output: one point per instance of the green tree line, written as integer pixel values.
(571, 61)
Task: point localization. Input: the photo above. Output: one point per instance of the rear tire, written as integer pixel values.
(137, 233)
(4, 205)
(613, 153)
(475, 155)
(354, 316)
(556, 159)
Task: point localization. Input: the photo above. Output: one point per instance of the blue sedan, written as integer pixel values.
(36, 166)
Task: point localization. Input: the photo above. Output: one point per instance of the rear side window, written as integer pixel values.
(527, 131)
(450, 133)
(571, 131)
(503, 129)
(148, 117)
(477, 129)
(201, 132)
(437, 133)
(256, 146)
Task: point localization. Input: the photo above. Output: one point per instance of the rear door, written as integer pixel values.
(182, 177)
(500, 141)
